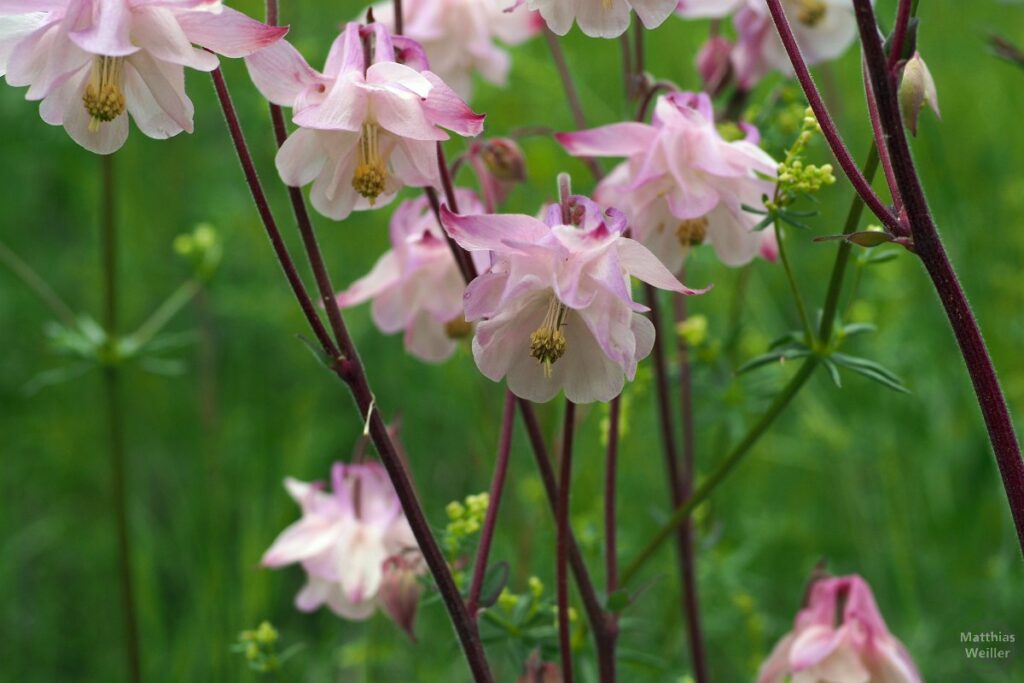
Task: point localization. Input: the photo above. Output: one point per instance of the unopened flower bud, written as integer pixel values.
(399, 594)
(714, 64)
(917, 88)
(504, 159)
(537, 671)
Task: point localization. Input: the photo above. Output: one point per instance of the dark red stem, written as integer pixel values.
(494, 502)
(928, 246)
(611, 562)
(349, 368)
(828, 126)
(571, 95)
(562, 541)
(899, 32)
(399, 20)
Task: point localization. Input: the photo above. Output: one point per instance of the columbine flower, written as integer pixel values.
(601, 18)
(823, 29)
(366, 129)
(683, 184)
(839, 637)
(94, 62)
(458, 36)
(556, 310)
(347, 540)
(416, 286)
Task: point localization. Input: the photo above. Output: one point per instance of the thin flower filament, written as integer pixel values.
(371, 174)
(104, 98)
(547, 343)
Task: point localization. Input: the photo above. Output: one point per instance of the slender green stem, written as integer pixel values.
(37, 284)
(682, 513)
(115, 421)
(166, 311)
(707, 487)
(801, 307)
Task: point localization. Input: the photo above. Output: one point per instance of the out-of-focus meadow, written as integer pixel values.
(902, 489)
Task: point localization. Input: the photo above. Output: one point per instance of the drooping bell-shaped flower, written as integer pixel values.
(347, 540)
(366, 128)
(94, 63)
(683, 183)
(460, 37)
(555, 309)
(824, 29)
(601, 18)
(839, 637)
(416, 286)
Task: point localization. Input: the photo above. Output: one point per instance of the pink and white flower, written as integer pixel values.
(94, 63)
(365, 129)
(839, 637)
(682, 183)
(824, 29)
(555, 308)
(347, 540)
(601, 18)
(417, 286)
(459, 36)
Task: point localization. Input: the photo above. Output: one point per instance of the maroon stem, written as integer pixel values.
(928, 246)
(562, 541)
(571, 96)
(676, 488)
(828, 126)
(494, 502)
(349, 368)
(691, 600)
(880, 144)
(462, 257)
(899, 32)
(399, 18)
(603, 640)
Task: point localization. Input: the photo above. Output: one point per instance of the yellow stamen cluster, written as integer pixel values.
(371, 174)
(547, 343)
(811, 12)
(103, 98)
(692, 232)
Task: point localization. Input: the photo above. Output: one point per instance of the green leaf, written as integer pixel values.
(318, 353)
(773, 357)
(871, 370)
(618, 601)
(56, 376)
(833, 372)
(854, 329)
(495, 580)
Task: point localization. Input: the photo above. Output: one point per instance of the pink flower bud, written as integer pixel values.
(504, 159)
(714, 63)
(400, 592)
(917, 88)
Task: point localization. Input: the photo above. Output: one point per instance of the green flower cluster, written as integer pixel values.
(464, 520)
(259, 646)
(797, 177)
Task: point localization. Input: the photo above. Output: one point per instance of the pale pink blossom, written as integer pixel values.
(682, 183)
(824, 29)
(601, 18)
(365, 129)
(839, 637)
(416, 286)
(460, 37)
(555, 309)
(94, 63)
(347, 540)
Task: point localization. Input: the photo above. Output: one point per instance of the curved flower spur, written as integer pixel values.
(555, 309)
(366, 128)
(95, 62)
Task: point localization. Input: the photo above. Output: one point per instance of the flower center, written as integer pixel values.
(810, 12)
(103, 98)
(547, 343)
(692, 232)
(457, 328)
(371, 174)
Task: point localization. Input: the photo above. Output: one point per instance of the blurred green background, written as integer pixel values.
(901, 489)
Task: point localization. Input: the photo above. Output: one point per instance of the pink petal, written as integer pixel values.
(282, 74)
(229, 32)
(638, 261)
(385, 274)
(489, 232)
(776, 667)
(445, 108)
(158, 30)
(311, 535)
(813, 645)
(615, 140)
(155, 95)
(109, 31)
